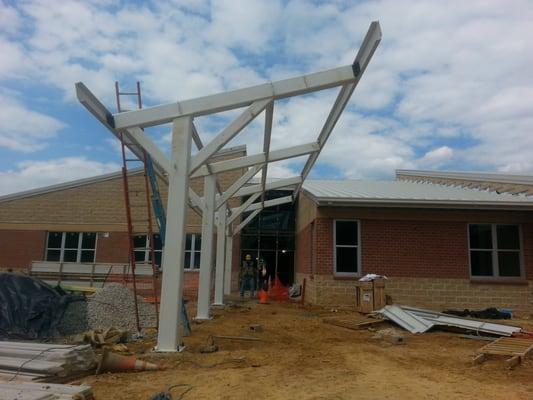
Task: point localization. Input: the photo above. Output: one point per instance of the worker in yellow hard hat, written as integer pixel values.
(248, 276)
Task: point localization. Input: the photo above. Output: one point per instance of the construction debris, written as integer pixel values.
(517, 349)
(351, 323)
(112, 306)
(40, 360)
(390, 335)
(44, 391)
(417, 320)
(112, 362)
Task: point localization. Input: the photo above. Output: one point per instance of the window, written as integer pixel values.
(346, 247)
(71, 247)
(141, 245)
(495, 251)
(193, 245)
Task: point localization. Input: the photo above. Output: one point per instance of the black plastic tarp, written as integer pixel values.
(30, 308)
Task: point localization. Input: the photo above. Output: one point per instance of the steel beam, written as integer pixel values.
(236, 186)
(365, 53)
(269, 114)
(237, 98)
(168, 338)
(220, 257)
(268, 203)
(257, 159)
(238, 211)
(248, 219)
(228, 133)
(278, 184)
(228, 264)
(206, 260)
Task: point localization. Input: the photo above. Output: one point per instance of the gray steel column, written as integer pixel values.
(219, 266)
(168, 338)
(206, 260)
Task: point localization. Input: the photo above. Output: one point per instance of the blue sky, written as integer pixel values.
(450, 87)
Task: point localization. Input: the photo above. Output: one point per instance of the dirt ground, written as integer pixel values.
(300, 357)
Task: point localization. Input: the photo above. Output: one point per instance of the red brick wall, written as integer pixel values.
(19, 248)
(402, 248)
(420, 249)
(112, 249)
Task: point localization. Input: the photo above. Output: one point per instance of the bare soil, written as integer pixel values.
(300, 357)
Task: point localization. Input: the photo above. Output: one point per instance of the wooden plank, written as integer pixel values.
(479, 359)
(513, 362)
(352, 324)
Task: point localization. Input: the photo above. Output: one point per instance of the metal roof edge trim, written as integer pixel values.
(323, 201)
(473, 176)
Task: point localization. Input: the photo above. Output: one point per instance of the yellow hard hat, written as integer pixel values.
(248, 257)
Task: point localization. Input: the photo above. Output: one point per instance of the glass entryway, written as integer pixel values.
(270, 235)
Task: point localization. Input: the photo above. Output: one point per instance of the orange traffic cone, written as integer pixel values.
(113, 362)
(263, 297)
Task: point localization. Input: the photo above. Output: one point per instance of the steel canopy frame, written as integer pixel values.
(182, 166)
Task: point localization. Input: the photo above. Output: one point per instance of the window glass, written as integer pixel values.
(480, 236)
(346, 259)
(267, 242)
(139, 241)
(54, 240)
(481, 263)
(87, 256)
(286, 242)
(158, 258)
(197, 242)
(508, 237)
(70, 255)
(249, 242)
(196, 263)
(509, 263)
(53, 255)
(187, 260)
(88, 241)
(188, 241)
(158, 244)
(346, 233)
(71, 240)
(139, 256)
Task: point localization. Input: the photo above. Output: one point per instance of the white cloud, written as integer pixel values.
(33, 174)
(450, 81)
(22, 129)
(437, 157)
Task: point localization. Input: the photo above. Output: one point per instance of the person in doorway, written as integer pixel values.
(262, 275)
(248, 276)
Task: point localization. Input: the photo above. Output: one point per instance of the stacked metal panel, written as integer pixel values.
(417, 320)
(42, 360)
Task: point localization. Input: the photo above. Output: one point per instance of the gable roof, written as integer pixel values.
(410, 194)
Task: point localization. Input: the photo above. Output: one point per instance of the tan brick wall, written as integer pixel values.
(306, 211)
(96, 205)
(436, 294)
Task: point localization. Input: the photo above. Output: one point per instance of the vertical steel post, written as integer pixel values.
(168, 338)
(228, 263)
(206, 260)
(221, 244)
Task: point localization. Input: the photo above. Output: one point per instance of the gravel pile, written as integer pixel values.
(111, 307)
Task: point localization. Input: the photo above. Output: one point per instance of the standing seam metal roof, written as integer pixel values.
(353, 191)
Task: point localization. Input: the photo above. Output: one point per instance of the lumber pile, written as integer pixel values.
(42, 360)
(44, 391)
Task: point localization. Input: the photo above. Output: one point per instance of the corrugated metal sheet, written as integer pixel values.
(406, 192)
(417, 320)
(405, 319)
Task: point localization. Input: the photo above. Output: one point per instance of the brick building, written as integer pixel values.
(84, 221)
(442, 241)
(439, 245)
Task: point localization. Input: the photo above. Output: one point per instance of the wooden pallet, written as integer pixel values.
(516, 348)
(351, 323)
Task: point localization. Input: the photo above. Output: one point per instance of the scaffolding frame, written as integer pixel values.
(182, 166)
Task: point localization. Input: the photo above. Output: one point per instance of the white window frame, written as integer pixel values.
(494, 253)
(192, 251)
(147, 251)
(358, 247)
(79, 249)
